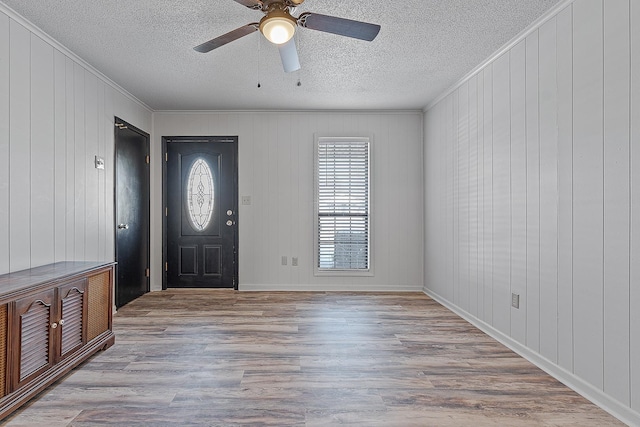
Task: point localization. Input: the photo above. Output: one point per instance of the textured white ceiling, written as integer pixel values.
(145, 46)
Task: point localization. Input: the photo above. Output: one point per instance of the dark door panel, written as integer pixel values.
(132, 213)
(201, 201)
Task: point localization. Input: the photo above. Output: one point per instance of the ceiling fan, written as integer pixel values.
(278, 26)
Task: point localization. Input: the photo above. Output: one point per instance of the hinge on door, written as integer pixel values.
(147, 159)
(166, 211)
(147, 273)
(166, 266)
(166, 157)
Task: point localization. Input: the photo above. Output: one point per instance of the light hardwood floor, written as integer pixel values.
(224, 358)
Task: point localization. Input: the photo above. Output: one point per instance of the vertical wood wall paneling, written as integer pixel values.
(42, 152)
(92, 234)
(547, 63)
(71, 161)
(579, 87)
(481, 197)
(501, 194)
(258, 262)
(103, 227)
(434, 175)
(271, 141)
(463, 195)
(473, 195)
(80, 179)
(447, 124)
(4, 145)
(413, 176)
(532, 298)
(565, 189)
(110, 221)
(392, 198)
(245, 188)
(616, 199)
(306, 181)
(634, 300)
(587, 192)
(396, 182)
(44, 158)
(20, 147)
(518, 164)
(60, 157)
(456, 198)
(383, 211)
(283, 194)
(294, 177)
(488, 194)
(446, 258)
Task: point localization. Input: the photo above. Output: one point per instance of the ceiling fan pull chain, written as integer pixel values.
(258, 62)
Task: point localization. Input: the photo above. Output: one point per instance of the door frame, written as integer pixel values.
(204, 139)
(118, 123)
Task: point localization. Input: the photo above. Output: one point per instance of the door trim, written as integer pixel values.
(178, 139)
(117, 123)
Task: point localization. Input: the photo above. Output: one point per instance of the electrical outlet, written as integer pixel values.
(515, 300)
(246, 200)
(284, 260)
(294, 261)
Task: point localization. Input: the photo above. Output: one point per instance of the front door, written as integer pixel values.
(201, 202)
(132, 212)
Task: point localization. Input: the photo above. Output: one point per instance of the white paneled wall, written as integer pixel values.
(56, 114)
(276, 170)
(532, 188)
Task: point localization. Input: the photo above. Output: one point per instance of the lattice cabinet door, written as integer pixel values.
(33, 336)
(99, 304)
(73, 315)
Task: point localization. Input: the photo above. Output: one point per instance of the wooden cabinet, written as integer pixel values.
(52, 318)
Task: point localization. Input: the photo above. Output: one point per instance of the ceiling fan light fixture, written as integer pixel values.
(278, 26)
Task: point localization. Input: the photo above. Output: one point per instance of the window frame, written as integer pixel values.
(316, 240)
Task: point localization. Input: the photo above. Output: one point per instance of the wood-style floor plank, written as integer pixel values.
(224, 358)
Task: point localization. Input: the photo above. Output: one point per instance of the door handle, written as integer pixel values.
(123, 226)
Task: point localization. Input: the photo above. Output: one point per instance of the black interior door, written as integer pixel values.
(132, 212)
(201, 219)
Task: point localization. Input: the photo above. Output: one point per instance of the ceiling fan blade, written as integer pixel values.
(226, 38)
(339, 26)
(251, 4)
(289, 56)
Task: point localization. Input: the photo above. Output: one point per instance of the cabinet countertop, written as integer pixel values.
(17, 281)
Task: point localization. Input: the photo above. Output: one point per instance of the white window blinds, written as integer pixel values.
(343, 204)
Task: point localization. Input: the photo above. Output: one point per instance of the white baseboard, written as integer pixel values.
(328, 287)
(598, 397)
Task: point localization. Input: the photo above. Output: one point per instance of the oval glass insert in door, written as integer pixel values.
(200, 194)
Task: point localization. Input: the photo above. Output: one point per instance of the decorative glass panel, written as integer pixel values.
(200, 194)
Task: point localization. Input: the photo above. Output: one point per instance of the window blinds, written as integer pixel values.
(343, 204)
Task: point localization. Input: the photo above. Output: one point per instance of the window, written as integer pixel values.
(342, 196)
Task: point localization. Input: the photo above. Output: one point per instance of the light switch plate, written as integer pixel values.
(515, 300)
(99, 162)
